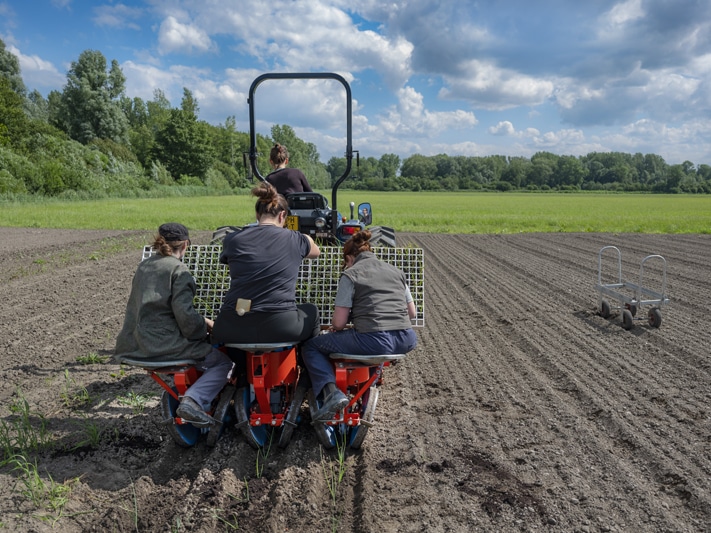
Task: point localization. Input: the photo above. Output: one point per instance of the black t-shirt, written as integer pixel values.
(264, 264)
(289, 180)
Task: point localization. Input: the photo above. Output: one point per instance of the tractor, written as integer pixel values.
(310, 212)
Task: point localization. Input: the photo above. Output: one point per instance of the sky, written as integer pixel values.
(456, 77)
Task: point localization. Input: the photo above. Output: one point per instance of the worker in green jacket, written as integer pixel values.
(162, 324)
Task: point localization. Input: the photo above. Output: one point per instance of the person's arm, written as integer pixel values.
(411, 310)
(342, 304)
(314, 250)
(340, 318)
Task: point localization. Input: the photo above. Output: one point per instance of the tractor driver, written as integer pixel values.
(286, 180)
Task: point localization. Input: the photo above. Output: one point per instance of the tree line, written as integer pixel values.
(90, 140)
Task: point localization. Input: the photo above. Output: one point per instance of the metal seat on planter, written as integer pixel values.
(164, 366)
(369, 360)
(262, 347)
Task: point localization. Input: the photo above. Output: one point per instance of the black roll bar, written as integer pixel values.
(349, 125)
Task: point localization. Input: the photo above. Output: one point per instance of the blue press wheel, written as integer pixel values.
(184, 435)
(256, 436)
(222, 413)
(369, 402)
(325, 434)
(292, 417)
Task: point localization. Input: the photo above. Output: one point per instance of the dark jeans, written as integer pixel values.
(316, 351)
(297, 325)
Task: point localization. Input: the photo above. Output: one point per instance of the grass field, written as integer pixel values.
(459, 212)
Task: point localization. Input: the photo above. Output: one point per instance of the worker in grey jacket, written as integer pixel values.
(374, 296)
(161, 323)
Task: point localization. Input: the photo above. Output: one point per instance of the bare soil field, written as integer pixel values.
(521, 409)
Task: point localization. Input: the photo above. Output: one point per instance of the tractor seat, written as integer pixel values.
(305, 200)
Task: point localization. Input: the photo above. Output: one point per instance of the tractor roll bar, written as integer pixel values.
(349, 123)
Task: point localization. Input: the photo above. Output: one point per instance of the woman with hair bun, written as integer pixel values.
(374, 296)
(264, 262)
(285, 180)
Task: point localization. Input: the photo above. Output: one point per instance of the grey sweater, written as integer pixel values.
(161, 323)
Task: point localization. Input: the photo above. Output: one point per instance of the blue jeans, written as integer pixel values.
(315, 351)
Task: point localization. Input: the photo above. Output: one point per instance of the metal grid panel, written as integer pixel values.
(317, 282)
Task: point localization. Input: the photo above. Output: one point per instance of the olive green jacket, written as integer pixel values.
(161, 323)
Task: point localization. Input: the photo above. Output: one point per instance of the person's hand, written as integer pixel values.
(209, 323)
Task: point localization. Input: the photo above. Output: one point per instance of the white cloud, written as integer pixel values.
(36, 72)
(411, 117)
(492, 87)
(174, 37)
(622, 14)
(502, 128)
(117, 16)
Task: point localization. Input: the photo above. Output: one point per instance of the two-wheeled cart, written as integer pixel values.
(631, 296)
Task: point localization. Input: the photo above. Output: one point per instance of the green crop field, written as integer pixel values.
(434, 212)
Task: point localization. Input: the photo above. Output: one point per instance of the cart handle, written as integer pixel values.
(619, 263)
(641, 275)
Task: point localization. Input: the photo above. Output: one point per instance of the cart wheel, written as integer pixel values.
(256, 436)
(632, 308)
(605, 309)
(222, 414)
(184, 435)
(287, 428)
(655, 317)
(369, 402)
(627, 319)
(325, 434)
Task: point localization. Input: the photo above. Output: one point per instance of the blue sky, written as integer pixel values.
(461, 77)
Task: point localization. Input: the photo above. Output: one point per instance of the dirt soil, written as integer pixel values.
(522, 409)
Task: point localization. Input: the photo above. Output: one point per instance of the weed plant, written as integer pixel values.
(263, 456)
(92, 358)
(73, 395)
(136, 400)
(24, 432)
(334, 471)
(49, 495)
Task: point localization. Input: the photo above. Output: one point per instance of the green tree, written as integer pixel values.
(90, 107)
(13, 121)
(36, 107)
(418, 167)
(389, 165)
(569, 171)
(543, 164)
(183, 144)
(515, 172)
(10, 69)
